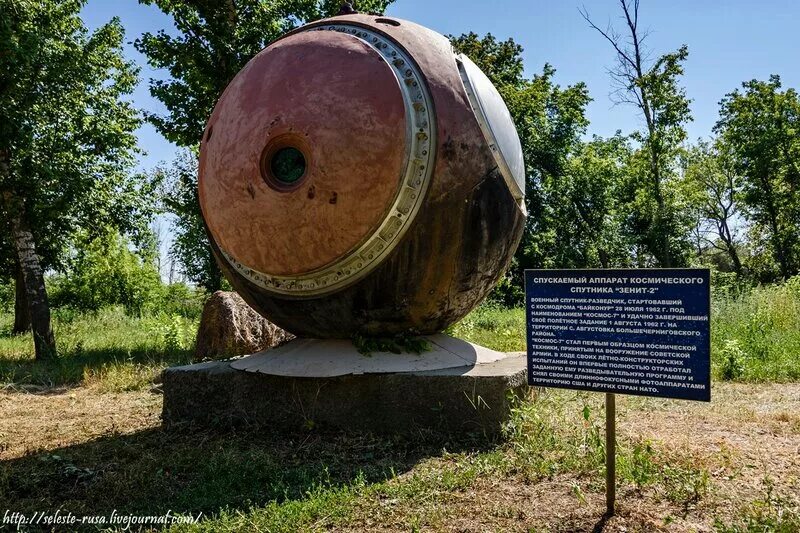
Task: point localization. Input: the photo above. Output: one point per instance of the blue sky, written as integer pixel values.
(729, 41)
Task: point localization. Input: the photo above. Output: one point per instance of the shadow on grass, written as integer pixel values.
(188, 471)
(133, 367)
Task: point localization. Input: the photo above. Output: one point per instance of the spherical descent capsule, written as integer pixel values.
(358, 176)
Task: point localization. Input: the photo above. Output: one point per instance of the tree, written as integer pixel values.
(12, 275)
(652, 87)
(501, 61)
(66, 141)
(216, 38)
(103, 270)
(713, 185)
(760, 127)
(587, 202)
(179, 197)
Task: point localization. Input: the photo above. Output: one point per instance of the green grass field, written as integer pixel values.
(755, 334)
(89, 440)
(755, 338)
(108, 348)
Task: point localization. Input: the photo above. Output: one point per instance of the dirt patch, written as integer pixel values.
(747, 441)
(55, 418)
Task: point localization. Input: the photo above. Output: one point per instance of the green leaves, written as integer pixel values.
(67, 123)
(659, 226)
(104, 271)
(178, 194)
(759, 127)
(500, 61)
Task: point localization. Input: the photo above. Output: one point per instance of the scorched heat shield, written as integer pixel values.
(359, 176)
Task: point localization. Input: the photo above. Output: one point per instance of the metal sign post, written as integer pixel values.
(611, 453)
(628, 331)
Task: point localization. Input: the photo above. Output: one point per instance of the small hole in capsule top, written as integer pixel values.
(390, 22)
(210, 131)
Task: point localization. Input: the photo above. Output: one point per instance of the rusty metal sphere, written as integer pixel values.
(359, 176)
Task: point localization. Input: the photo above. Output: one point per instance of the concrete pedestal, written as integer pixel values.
(456, 388)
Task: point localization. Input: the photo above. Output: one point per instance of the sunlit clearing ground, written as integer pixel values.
(732, 465)
(83, 434)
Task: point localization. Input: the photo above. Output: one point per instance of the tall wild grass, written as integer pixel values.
(755, 337)
(755, 331)
(108, 348)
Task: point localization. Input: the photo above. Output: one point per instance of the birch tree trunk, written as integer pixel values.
(30, 266)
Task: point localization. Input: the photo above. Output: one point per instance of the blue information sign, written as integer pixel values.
(636, 331)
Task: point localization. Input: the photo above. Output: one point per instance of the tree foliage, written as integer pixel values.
(658, 222)
(102, 271)
(760, 130)
(190, 247)
(592, 197)
(713, 187)
(67, 140)
(67, 124)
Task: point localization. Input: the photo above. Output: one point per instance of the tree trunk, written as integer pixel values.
(772, 215)
(38, 307)
(663, 237)
(22, 315)
(603, 255)
(213, 281)
(664, 255)
(43, 339)
(737, 263)
(726, 237)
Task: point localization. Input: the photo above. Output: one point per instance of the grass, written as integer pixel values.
(550, 462)
(263, 481)
(755, 338)
(494, 327)
(769, 513)
(755, 333)
(109, 349)
(267, 481)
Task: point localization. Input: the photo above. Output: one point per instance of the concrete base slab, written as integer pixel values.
(471, 398)
(324, 358)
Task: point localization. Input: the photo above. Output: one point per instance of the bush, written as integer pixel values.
(105, 272)
(507, 293)
(106, 348)
(732, 360)
(493, 326)
(6, 295)
(183, 300)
